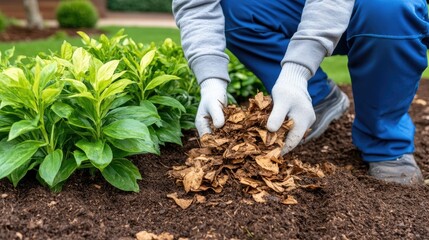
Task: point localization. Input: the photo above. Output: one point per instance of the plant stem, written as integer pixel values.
(98, 116)
(49, 146)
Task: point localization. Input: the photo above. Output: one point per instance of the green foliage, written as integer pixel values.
(6, 57)
(162, 78)
(76, 14)
(57, 115)
(3, 22)
(90, 108)
(140, 5)
(28, 125)
(244, 84)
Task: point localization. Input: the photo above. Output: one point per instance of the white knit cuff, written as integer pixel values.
(294, 74)
(214, 84)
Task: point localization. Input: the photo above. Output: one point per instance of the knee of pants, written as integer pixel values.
(391, 18)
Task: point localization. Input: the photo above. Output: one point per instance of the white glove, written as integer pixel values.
(213, 99)
(291, 99)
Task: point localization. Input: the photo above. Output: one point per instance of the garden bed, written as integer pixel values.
(349, 204)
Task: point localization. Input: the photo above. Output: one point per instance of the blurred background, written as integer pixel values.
(144, 20)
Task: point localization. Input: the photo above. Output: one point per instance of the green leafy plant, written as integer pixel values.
(31, 133)
(6, 57)
(171, 59)
(76, 14)
(161, 78)
(63, 115)
(91, 107)
(244, 84)
(108, 130)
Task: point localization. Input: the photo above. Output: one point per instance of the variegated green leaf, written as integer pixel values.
(133, 65)
(78, 85)
(159, 81)
(146, 60)
(14, 74)
(50, 95)
(8, 54)
(63, 63)
(81, 61)
(18, 96)
(115, 88)
(36, 81)
(85, 38)
(47, 73)
(86, 95)
(21, 127)
(118, 75)
(104, 75)
(66, 51)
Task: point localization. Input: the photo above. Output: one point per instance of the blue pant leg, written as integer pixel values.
(258, 33)
(387, 56)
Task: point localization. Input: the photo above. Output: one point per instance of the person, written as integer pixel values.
(284, 41)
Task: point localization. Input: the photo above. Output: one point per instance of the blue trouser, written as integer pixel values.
(385, 45)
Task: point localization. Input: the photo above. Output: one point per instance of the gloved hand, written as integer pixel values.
(213, 99)
(291, 99)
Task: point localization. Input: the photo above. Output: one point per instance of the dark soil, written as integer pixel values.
(350, 204)
(17, 33)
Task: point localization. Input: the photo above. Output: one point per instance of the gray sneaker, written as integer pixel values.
(403, 170)
(330, 109)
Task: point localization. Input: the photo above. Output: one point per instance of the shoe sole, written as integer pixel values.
(335, 113)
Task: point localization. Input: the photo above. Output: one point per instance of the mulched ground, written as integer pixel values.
(350, 204)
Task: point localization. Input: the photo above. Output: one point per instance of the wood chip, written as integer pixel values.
(144, 235)
(183, 203)
(245, 151)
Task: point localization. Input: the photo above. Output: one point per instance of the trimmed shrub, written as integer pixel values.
(77, 14)
(140, 5)
(3, 22)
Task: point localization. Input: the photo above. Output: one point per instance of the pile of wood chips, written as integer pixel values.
(244, 150)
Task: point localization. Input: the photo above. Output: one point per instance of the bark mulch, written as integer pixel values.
(348, 205)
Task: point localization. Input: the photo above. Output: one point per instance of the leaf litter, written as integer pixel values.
(144, 235)
(245, 151)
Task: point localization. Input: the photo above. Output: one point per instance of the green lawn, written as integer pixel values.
(336, 66)
(145, 35)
